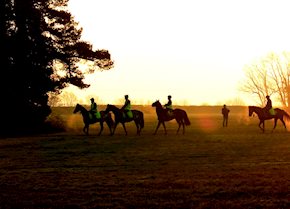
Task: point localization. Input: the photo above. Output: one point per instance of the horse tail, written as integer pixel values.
(287, 116)
(141, 119)
(110, 119)
(186, 119)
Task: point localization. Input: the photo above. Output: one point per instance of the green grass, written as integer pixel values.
(208, 167)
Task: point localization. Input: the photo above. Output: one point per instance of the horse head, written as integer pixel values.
(77, 108)
(156, 103)
(110, 107)
(252, 109)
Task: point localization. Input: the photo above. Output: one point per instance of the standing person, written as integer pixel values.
(225, 112)
(127, 107)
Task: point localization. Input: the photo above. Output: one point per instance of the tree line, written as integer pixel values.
(269, 75)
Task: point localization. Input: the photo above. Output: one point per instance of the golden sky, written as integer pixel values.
(191, 49)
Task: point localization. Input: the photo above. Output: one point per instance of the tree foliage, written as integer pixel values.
(41, 50)
(269, 76)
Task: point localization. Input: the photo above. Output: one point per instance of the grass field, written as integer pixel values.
(208, 167)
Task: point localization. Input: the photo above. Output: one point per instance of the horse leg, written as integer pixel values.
(125, 128)
(183, 126)
(138, 128)
(109, 126)
(165, 132)
(102, 127)
(86, 129)
(115, 126)
(157, 127)
(179, 124)
(275, 124)
(283, 123)
(262, 128)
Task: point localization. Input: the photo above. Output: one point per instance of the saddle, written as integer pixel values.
(95, 115)
(169, 112)
(269, 113)
(272, 111)
(128, 114)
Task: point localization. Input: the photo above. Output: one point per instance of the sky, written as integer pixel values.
(193, 50)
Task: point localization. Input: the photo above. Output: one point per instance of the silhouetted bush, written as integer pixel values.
(54, 124)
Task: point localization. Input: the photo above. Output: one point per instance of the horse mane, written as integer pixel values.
(253, 106)
(81, 106)
(157, 102)
(114, 106)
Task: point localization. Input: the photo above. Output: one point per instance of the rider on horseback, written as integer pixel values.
(127, 107)
(94, 110)
(268, 108)
(168, 106)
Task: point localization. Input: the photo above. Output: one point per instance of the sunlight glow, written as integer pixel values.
(193, 50)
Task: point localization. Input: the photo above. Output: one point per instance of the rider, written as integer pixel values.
(268, 108)
(168, 105)
(127, 107)
(94, 108)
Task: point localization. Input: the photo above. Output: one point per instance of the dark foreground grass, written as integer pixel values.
(208, 167)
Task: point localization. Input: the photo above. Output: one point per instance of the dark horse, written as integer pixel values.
(105, 117)
(178, 114)
(138, 118)
(279, 114)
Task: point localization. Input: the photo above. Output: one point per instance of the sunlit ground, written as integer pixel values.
(208, 167)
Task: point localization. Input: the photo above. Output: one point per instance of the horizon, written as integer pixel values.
(192, 50)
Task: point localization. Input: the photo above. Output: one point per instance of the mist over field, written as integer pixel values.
(210, 166)
(203, 118)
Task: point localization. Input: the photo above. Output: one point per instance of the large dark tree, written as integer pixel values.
(41, 51)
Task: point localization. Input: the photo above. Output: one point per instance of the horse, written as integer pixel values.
(105, 117)
(138, 118)
(279, 114)
(178, 114)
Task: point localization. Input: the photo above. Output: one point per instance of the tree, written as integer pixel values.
(269, 76)
(279, 66)
(68, 99)
(53, 99)
(41, 52)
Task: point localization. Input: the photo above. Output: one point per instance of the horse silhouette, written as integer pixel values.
(105, 117)
(138, 118)
(178, 114)
(279, 115)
